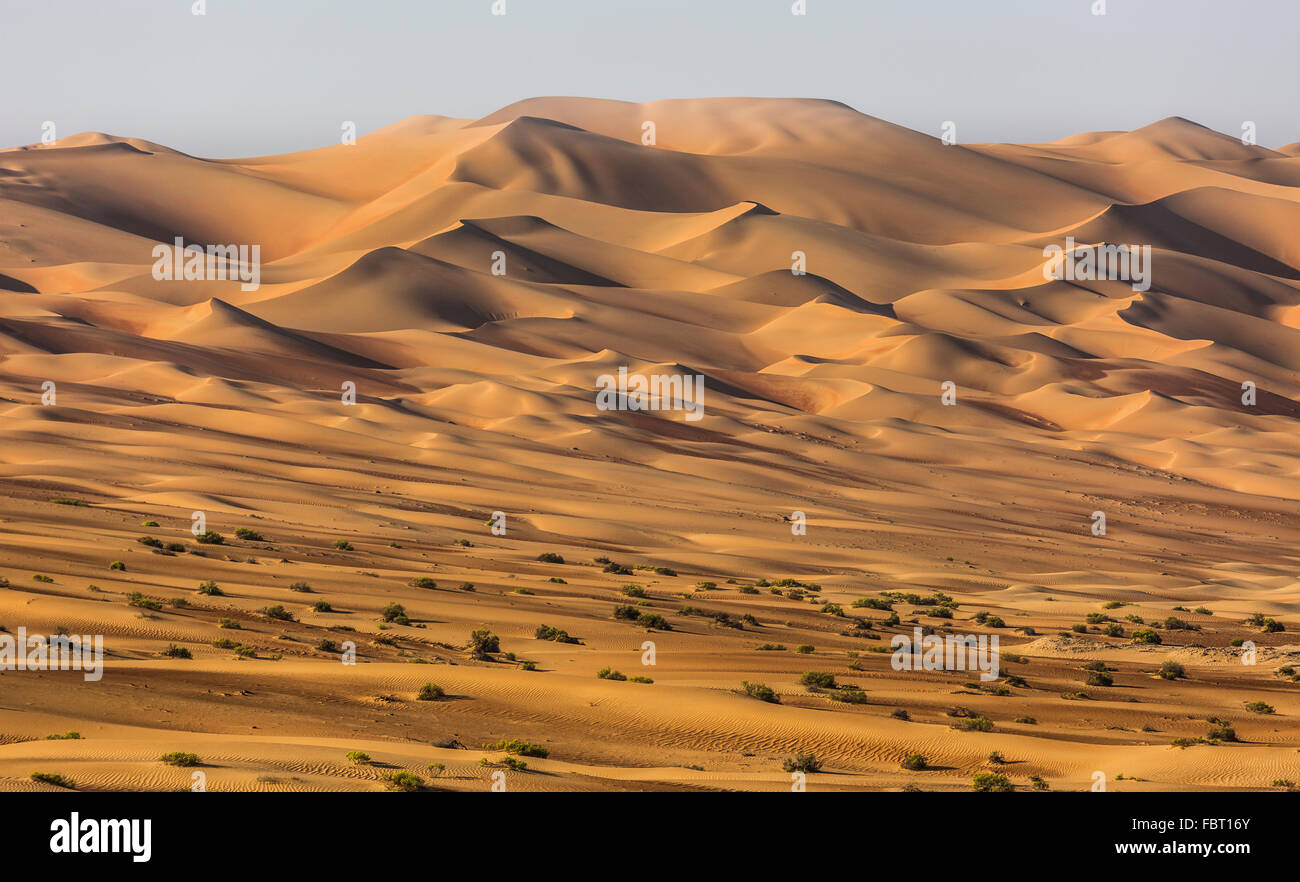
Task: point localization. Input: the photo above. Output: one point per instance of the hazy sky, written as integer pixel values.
(266, 76)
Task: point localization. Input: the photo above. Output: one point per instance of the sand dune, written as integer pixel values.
(436, 304)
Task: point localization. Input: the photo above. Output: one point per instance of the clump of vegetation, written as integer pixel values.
(210, 537)
(422, 582)
(115, 565)
(54, 779)
(833, 609)
(609, 674)
(519, 748)
(634, 591)
(343, 545)
(546, 632)
(277, 612)
(617, 569)
(1259, 707)
(174, 651)
(1029, 721)
(431, 692)
(395, 613)
(626, 611)
(817, 678)
(1172, 670)
(408, 782)
(550, 557)
(66, 736)
(248, 535)
(990, 782)
(135, 598)
(464, 543)
(483, 642)
(653, 621)
(802, 762)
(997, 759)
(322, 606)
(771, 647)
(974, 724)
(327, 645)
(150, 541)
(1100, 678)
(230, 624)
(211, 589)
(915, 762)
(224, 643)
(805, 648)
(358, 757)
(1146, 635)
(761, 691)
(180, 758)
(557, 580)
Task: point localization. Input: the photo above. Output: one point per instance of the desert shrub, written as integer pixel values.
(248, 535)
(1173, 623)
(174, 651)
(550, 557)
(229, 624)
(52, 778)
(1029, 721)
(407, 782)
(322, 606)
(609, 674)
(915, 762)
(663, 571)
(1079, 629)
(1146, 635)
(176, 546)
(899, 714)
(115, 565)
(770, 647)
(343, 545)
(327, 645)
(357, 757)
(224, 643)
(210, 537)
(761, 691)
(1101, 678)
(990, 782)
(833, 609)
(1172, 670)
(422, 582)
(747, 589)
(653, 620)
(300, 587)
(850, 695)
(135, 598)
(557, 580)
(431, 692)
(626, 611)
(211, 589)
(482, 642)
(469, 586)
(817, 678)
(802, 762)
(150, 541)
(1259, 707)
(974, 724)
(180, 758)
(634, 591)
(1113, 630)
(1223, 732)
(519, 748)
(277, 612)
(639, 679)
(706, 586)
(66, 736)
(805, 648)
(396, 613)
(1095, 618)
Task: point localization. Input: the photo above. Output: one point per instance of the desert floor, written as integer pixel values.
(475, 394)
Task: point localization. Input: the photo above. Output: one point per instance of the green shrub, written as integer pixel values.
(550, 557)
(1259, 707)
(210, 537)
(608, 674)
(761, 691)
(817, 678)
(343, 545)
(396, 613)
(654, 621)
(135, 598)
(422, 582)
(180, 758)
(1146, 635)
(482, 642)
(322, 606)
(404, 781)
(150, 541)
(277, 612)
(66, 736)
(519, 748)
(805, 648)
(770, 647)
(802, 762)
(915, 762)
(358, 757)
(634, 591)
(115, 565)
(431, 692)
(546, 632)
(56, 780)
(1172, 670)
(174, 651)
(211, 589)
(990, 782)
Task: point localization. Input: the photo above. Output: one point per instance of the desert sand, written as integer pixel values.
(475, 394)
